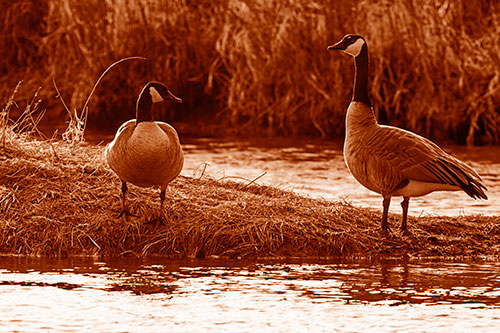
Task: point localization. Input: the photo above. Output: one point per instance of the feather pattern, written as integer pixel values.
(146, 155)
(145, 152)
(390, 160)
(383, 158)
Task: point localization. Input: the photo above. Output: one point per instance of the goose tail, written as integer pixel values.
(475, 189)
(451, 171)
(465, 177)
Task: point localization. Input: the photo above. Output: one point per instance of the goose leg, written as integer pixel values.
(404, 205)
(124, 211)
(385, 213)
(161, 215)
(162, 202)
(124, 193)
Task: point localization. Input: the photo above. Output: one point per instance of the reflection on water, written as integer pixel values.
(228, 295)
(318, 170)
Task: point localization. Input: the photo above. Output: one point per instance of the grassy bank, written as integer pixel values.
(261, 67)
(58, 198)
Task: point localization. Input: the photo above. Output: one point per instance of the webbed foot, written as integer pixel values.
(126, 213)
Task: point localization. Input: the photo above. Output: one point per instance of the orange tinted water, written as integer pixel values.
(159, 295)
(318, 170)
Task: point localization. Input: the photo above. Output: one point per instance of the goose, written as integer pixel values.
(145, 152)
(392, 161)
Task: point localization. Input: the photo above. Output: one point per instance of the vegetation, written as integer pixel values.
(60, 198)
(262, 66)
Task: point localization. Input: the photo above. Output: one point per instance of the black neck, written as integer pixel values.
(360, 92)
(144, 108)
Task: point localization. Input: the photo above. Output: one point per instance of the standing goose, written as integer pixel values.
(390, 160)
(145, 152)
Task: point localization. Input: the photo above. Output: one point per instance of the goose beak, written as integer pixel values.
(173, 98)
(337, 46)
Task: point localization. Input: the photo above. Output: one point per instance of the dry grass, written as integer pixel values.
(262, 66)
(59, 198)
(25, 126)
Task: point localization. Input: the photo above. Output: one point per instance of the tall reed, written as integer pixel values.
(277, 63)
(175, 37)
(435, 66)
(14, 132)
(261, 67)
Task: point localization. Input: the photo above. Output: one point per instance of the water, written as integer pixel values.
(317, 169)
(344, 295)
(160, 295)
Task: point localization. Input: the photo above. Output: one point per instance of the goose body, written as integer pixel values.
(392, 161)
(146, 155)
(145, 152)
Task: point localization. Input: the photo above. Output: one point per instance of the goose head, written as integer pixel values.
(153, 92)
(350, 44)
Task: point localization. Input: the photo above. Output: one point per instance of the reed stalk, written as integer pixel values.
(60, 198)
(261, 67)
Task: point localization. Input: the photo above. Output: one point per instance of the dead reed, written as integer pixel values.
(435, 67)
(60, 198)
(262, 66)
(262, 62)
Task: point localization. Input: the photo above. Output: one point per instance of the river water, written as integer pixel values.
(317, 169)
(162, 295)
(343, 294)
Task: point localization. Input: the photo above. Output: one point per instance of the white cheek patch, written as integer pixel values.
(155, 95)
(355, 48)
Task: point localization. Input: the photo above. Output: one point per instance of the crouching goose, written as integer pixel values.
(390, 160)
(145, 152)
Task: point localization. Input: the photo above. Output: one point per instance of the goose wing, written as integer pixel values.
(116, 146)
(417, 158)
(173, 152)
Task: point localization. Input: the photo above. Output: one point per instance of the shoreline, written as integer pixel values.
(61, 199)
